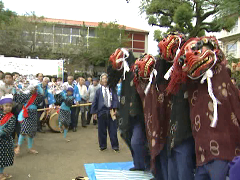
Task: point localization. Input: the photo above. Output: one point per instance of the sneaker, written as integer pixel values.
(102, 149)
(116, 150)
(135, 169)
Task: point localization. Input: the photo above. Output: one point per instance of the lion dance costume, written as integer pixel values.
(131, 120)
(214, 103)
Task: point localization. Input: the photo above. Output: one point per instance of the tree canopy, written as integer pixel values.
(192, 17)
(108, 38)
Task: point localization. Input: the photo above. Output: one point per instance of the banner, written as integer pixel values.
(26, 66)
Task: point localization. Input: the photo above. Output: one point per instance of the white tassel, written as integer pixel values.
(168, 73)
(125, 68)
(125, 65)
(153, 73)
(208, 75)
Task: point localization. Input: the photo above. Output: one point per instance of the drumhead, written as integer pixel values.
(53, 122)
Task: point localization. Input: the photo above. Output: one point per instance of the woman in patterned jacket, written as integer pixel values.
(28, 116)
(7, 125)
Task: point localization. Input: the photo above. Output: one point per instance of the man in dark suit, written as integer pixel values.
(105, 100)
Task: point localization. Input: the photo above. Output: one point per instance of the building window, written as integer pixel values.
(58, 30)
(66, 30)
(231, 49)
(40, 29)
(48, 38)
(75, 40)
(66, 39)
(49, 29)
(75, 31)
(91, 32)
(40, 38)
(83, 32)
(58, 39)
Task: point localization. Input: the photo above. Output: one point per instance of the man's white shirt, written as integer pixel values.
(108, 93)
(83, 91)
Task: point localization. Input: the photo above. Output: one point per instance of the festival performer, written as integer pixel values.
(77, 96)
(28, 116)
(11, 88)
(214, 103)
(104, 107)
(66, 101)
(180, 142)
(157, 107)
(7, 125)
(48, 100)
(131, 120)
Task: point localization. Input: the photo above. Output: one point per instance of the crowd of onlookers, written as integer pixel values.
(86, 87)
(24, 99)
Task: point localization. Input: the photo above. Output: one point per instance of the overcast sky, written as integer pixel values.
(88, 10)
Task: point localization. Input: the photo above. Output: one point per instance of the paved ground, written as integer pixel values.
(59, 160)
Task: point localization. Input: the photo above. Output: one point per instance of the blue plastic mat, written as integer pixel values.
(90, 168)
(115, 171)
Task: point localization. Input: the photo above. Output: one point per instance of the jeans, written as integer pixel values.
(181, 163)
(161, 165)
(214, 170)
(138, 142)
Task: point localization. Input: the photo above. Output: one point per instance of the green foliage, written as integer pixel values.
(231, 59)
(20, 39)
(108, 38)
(158, 35)
(235, 73)
(192, 17)
(182, 17)
(6, 16)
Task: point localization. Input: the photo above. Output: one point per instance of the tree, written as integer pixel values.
(233, 64)
(6, 15)
(192, 17)
(22, 37)
(158, 35)
(108, 38)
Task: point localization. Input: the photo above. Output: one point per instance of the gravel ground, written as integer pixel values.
(61, 160)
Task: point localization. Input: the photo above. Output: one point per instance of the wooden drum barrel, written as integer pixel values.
(53, 121)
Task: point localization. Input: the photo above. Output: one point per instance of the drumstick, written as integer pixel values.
(77, 105)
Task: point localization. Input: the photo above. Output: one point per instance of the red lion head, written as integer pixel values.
(169, 46)
(196, 56)
(144, 66)
(200, 55)
(116, 58)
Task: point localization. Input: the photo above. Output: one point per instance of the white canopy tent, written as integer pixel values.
(27, 66)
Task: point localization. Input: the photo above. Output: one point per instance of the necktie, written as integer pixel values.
(106, 97)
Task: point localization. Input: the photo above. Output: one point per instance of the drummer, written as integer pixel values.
(48, 100)
(67, 100)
